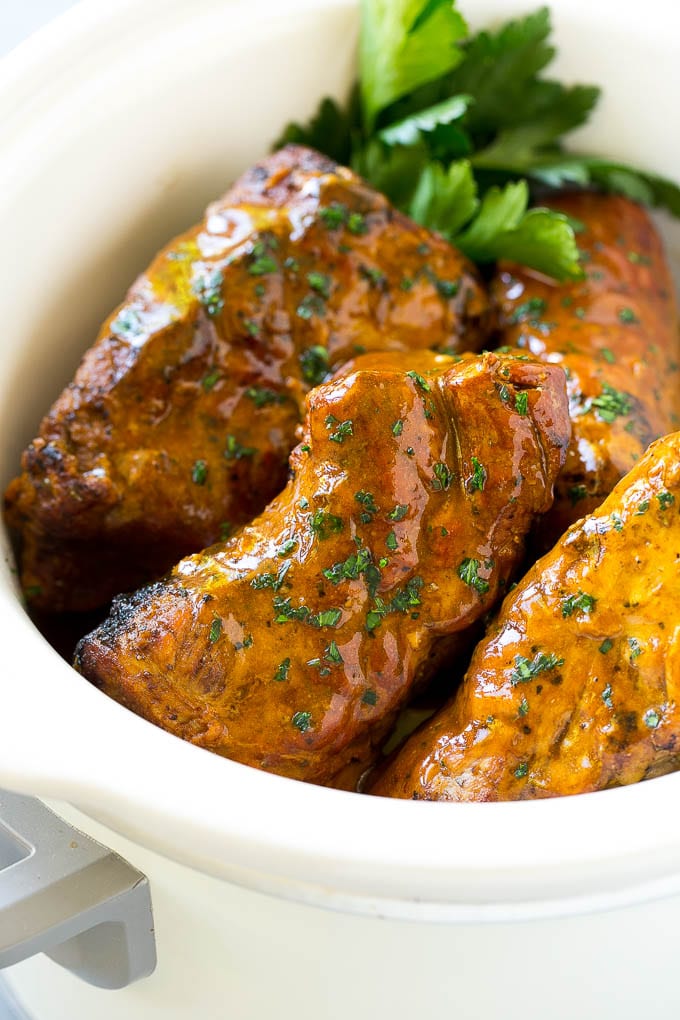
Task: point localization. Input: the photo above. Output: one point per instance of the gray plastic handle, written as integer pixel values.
(64, 894)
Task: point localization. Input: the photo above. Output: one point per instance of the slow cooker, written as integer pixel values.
(143, 877)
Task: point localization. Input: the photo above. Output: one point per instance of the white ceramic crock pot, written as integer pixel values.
(274, 899)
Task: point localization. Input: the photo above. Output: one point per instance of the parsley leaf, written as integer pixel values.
(405, 43)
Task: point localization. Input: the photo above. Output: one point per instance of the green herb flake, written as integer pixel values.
(521, 403)
(635, 649)
(270, 580)
(208, 289)
(355, 564)
(320, 283)
(442, 477)
(611, 404)
(215, 630)
(391, 542)
(285, 612)
(326, 618)
(582, 603)
(477, 480)
(332, 654)
(577, 493)
(419, 381)
(642, 509)
(287, 548)
(628, 317)
(369, 697)
(324, 524)
(262, 265)
(398, 513)
(607, 696)
(526, 669)
(356, 224)
(531, 309)
(521, 771)
(617, 521)
(282, 669)
(376, 278)
(344, 429)
(651, 718)
(397, 428)
(311, 304)
(208, 381)
(468, 573)
(367, 500)
(608, 355)
(606, 646)
(261, 396)
(302, 721)
(315, 365)
(128, 325)
(199, 473)
(235, 451)
(334, 215)
(665, 499)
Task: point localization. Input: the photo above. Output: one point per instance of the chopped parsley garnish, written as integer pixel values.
(606, 646)
(235, 451)
(324, 524)
(522, 770)
(269, 580)
(398, 513)
(344, 429)
(617, 521)
(628, 317)
(635, 650)
(608, 355)
(665, 499)
(402, 601)
(368, 502)
(302, 720)
(522, 403)
(526, 669)
(477, 480)
(311, 304)
(581, 602)
(333, 215)
(369, 697)
(611, 404)
(577, 493)
(418, 379)
(642, 509)
(468, 573)
(397, 427)
(350, 569)
(262, 265)
(199, 473)
(128, 325)
(332, 653)
(375, 277)
(208, 289)
(320, 283)
(282, 670)
(288, 546)
(210, 379)
(442, 477)
(651, 718)
(607, 696)
(531, 309)
(314, 364)
(286, 612)
(356, 224)
(523, 707)
(261, 396)
(215, 630)
(326, 618)
(391, 542)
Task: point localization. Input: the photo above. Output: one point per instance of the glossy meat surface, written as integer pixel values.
(616, 335)
(292, 646)
(179, 423)
(576, 686)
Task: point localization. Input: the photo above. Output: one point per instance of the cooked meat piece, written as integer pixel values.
(180, 419)
(292, 646)
(616, 335)
(576, 686)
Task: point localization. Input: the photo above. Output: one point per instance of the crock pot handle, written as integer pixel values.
(64, 894)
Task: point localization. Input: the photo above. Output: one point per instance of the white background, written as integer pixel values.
(18, 18)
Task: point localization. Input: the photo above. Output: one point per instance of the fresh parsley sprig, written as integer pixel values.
(457, 130)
